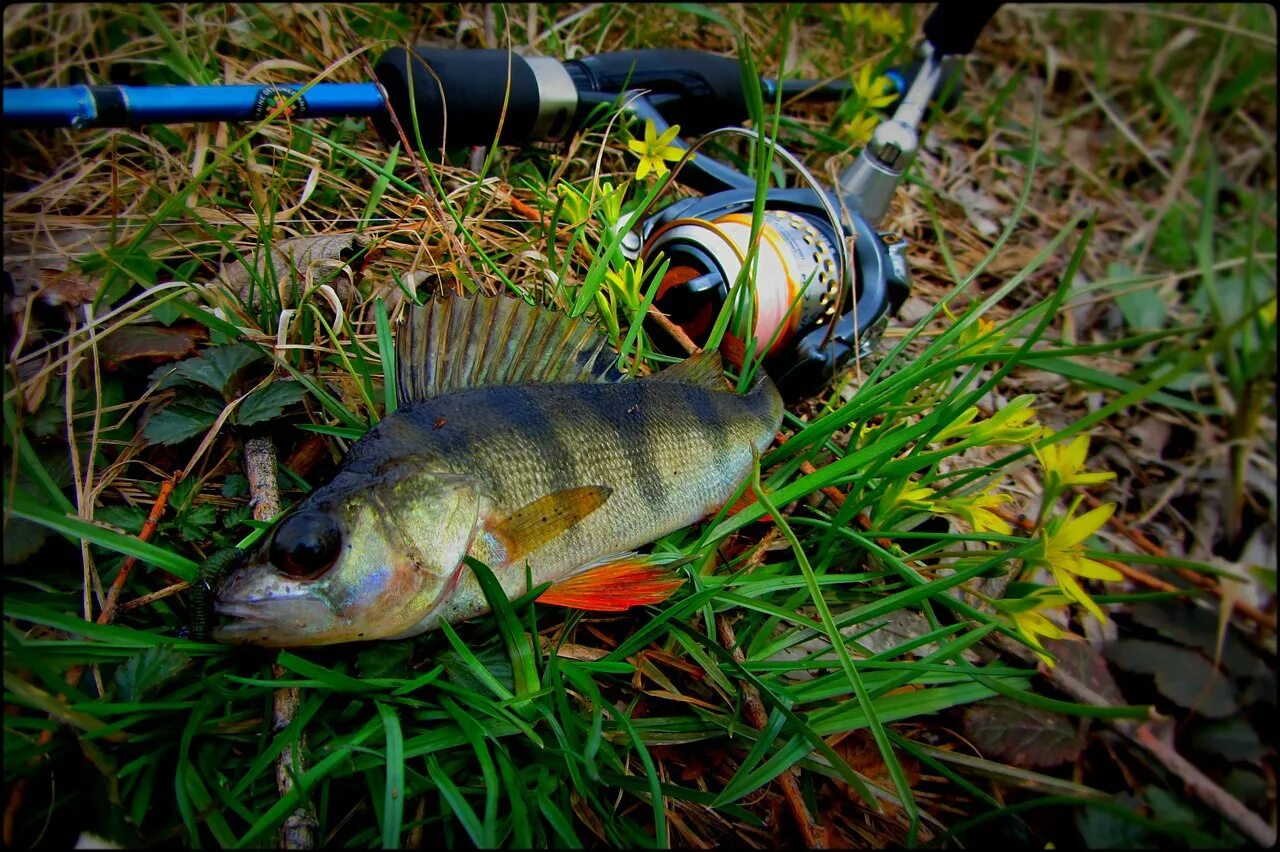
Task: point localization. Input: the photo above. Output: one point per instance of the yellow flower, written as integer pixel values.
(610, 202)
(903, 495)
(873, 93)
(626, 283)
(884, 22)
(856, 14)
(976, 509)
(1064, 466)
(859, 130)
(575, 205)
(1014, 424)
(1268, 312)
(1025, 616)
(1059, 550)
(655, 149)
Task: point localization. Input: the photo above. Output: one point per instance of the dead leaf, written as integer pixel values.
(317, 255)
(66, 288)
(33, 381)
(151, 341)
(1021, 734)
(860, 751)
(1079, 659)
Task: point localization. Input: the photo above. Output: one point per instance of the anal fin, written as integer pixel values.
(615, 584)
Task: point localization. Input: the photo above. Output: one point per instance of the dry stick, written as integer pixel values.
(1249, 823)
(167, 591)
(298, 831)
(815, 836)
(75, 673)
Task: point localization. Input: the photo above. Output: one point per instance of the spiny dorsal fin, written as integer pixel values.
(703, 369)
(533, 525)
(453, 343)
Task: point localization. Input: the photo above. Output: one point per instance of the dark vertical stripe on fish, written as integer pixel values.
(534, 418)
(714, 413)
(630, 414)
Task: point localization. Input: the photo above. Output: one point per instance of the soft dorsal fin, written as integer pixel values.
(703, 369)
(456, 342)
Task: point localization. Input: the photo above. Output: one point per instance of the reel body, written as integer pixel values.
(806, 322)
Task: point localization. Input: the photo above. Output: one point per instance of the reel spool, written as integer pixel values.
(796, 278)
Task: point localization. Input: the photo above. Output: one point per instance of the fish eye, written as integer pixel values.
(306, 545)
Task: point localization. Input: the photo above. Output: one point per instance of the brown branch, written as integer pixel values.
(113, 594)
(1227, 805)
(167, 591)
(815, 835)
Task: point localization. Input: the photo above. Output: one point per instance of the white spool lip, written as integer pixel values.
(773, 302)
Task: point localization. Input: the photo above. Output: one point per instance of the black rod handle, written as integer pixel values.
(953, 27)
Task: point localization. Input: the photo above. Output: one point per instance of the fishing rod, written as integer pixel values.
(828, 280)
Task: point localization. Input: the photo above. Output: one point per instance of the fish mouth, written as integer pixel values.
(272, 622)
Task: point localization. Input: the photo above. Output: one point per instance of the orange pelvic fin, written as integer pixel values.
(615, 584)
(746, 501)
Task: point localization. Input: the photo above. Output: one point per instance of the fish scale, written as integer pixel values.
(554, 470)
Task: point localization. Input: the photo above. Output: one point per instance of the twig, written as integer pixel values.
(1249, 823)
(298, 831)
(113, 594)
(815, 835)
(155, 596)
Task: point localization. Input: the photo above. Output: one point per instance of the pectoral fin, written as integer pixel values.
(533, 525)
(615, 584)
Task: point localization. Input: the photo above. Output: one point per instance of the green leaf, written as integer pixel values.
(235, 485)
(1143, 308)
(26, 506)
(1021, 734)
(1182, 675)
(216, 366)
(128, 518)
(384, 659)
(393, 803)
(1233, 739)
(145, 672)
(269, 402)
(1107, 829)
(22, 539)
(176, 423)
(1167, 809)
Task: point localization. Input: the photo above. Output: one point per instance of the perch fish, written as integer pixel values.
(516, 442)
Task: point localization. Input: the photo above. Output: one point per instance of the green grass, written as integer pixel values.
(542, 727)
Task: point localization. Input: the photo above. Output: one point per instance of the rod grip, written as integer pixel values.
(954, 27)
(459, 97)
(693, 88)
